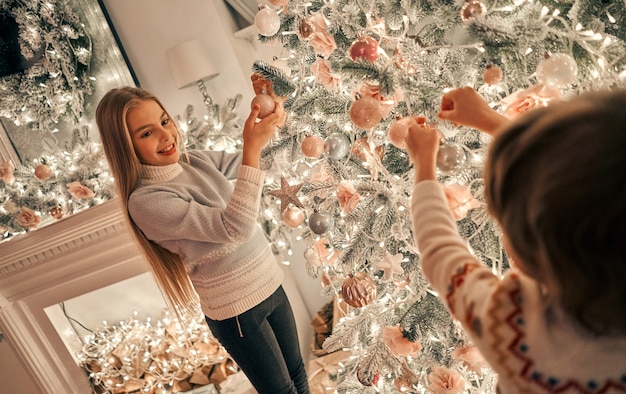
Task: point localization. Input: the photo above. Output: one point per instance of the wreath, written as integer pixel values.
(44, 71)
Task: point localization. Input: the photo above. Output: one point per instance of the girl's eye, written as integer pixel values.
(146, 134)
(165, 121)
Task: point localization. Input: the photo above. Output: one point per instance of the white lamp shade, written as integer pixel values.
(190, 62)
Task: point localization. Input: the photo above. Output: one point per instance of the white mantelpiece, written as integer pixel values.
(74, 256)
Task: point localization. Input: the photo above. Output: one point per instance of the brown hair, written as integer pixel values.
(555, 182)
(167, 267)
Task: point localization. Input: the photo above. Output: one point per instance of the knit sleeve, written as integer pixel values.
(454, 273)
(227, 163)
(189, 212)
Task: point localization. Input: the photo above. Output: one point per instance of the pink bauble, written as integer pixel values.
(312, 146)
(267, 21)
(364, 47)
(399, 130)
(293, 217)
(492, 75)
(266, 102)
(43, 172)
(558, 70)
(365, 112)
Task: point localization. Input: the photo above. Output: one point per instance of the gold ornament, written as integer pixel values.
(305, 29)
(293, 217)
(56, 212)
(312, 146)
(358, 289)
(365, 112)
(472, 8)
(43, 172)
(492, 75)
(287, 194)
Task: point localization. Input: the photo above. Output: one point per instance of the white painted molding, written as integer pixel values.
(76, 255)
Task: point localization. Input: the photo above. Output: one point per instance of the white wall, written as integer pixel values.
(148, 28)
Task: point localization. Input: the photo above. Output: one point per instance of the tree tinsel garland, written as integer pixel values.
(51, 78)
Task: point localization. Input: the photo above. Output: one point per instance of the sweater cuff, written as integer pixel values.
(251, 174)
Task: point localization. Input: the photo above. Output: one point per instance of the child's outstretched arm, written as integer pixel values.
(464, 106)
(422, 146)
(257, 134)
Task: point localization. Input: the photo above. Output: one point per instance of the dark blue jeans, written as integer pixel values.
(269, 351)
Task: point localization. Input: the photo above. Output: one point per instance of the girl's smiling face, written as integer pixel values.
(154, 134)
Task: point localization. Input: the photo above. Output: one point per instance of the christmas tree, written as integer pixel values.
(351, 72)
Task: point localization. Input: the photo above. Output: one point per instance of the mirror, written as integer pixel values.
(59, 57)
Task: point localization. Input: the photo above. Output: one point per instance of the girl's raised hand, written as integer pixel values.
(256, 133)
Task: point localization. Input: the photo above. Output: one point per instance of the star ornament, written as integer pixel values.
(287, 194)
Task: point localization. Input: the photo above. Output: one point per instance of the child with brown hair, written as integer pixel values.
(200, 233)
(555, 182)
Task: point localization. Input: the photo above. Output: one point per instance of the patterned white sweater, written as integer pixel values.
(193, 210)
(533, 348)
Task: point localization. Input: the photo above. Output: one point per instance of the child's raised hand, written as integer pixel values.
(422, 143)
(464, 106)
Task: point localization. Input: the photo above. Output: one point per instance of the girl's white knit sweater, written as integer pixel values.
(193, 210)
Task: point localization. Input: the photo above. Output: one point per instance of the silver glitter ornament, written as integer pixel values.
(450, 157)
(337, 146)
(321, 222)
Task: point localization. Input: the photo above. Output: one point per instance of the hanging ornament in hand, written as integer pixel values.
(293, 217)
(472, 8)
(312, 146)
(558, 70)
(450, 157)
(287, 194)
(358, 289)
(267, 21)
(337, 146)
(321, 222)
(43, 172)
(492, 75)
(365, 112)
(265, 102)
(364, 47)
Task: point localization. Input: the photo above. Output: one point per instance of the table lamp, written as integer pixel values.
(191, 64)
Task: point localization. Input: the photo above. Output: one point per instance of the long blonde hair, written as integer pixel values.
(167, 267)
